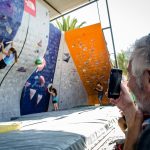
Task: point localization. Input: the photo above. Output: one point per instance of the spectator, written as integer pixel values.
(137, 116)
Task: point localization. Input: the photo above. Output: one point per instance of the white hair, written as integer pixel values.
(140, 57)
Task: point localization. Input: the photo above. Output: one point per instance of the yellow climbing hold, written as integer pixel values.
(9, 126)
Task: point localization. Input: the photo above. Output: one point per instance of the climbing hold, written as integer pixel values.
(38, 61)
(8, 29)
(39, 98)
(36, 51)
(36, 77)
(42, 80)
(21, 69)
(85, 48)
(42, 65)
(39, 43)
(27, 84)
(66, 57)
(84, 70)
(32, 93)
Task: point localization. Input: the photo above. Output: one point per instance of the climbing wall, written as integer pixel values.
(35, 97)
(28, 32)
(90, 55)
(73, 61)
(70, 88)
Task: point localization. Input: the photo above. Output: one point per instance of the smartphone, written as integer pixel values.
(114, 83)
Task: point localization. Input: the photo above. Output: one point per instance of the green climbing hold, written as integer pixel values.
(38, 61)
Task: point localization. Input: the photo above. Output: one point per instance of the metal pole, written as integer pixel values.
(98, 11)
(112, 35)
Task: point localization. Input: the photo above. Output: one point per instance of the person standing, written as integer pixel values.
(99, 88)
(137, 116)
(54, 97)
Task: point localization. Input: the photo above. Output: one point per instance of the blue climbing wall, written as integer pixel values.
(40, 99)
(26, 31)
(11, 12)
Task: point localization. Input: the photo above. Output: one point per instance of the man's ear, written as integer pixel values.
(149, 75)
(147, 80)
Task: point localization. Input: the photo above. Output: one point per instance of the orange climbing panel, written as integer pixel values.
(89, 52)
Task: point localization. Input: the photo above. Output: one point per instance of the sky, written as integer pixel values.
(130, 20)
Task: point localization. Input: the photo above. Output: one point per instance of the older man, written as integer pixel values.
(138, 118)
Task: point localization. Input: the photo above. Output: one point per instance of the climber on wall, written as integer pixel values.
(53, 92)
(7, 57)
(100, 90)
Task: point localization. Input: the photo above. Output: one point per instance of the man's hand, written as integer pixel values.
(134, 117)
(133, 131)
(125, 103)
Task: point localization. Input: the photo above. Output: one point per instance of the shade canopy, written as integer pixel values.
(59, 7)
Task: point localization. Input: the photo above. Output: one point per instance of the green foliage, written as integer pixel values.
(68, 24)
(122, 60)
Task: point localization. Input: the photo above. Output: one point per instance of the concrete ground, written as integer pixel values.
(82, 128)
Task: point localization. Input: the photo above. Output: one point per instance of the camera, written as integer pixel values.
(114, 83)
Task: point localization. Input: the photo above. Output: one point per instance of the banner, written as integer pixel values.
(30, 7)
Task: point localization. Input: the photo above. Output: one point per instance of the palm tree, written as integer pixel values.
(68, 24)
(122, 59)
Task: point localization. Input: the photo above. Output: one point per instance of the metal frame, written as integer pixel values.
(110, 26)
(116, 63)
(90, 2)
(52, 6)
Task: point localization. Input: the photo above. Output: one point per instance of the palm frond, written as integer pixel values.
(66, 24)
(73, 24)
(68, 21)
(59, 25)
(81, 24)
